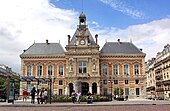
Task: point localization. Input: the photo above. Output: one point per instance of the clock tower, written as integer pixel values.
(82, 54)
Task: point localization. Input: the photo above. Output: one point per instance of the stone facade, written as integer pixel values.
(85, 68)
(158, 74)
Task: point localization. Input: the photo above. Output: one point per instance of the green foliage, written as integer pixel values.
(118, 91)
(63, 98)
(3, 88)
(3, 85)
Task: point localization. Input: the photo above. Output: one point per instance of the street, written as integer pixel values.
(92, 108)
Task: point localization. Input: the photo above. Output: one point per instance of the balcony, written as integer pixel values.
(83, 75)
(159, 77)
(159, 89)
(159, 83)
(167, 82)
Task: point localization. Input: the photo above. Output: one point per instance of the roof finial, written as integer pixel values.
(106, 40)
(130, 40)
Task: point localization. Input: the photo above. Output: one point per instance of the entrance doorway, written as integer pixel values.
(94, 88)
(85, 88)
(70, 88)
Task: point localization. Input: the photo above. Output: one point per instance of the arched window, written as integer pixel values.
(60, 71)
(29, 70)
(39, 70)
(50, 70)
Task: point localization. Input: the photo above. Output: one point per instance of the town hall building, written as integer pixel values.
(83, 67)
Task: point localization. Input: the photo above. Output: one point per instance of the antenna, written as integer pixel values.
(82, 5)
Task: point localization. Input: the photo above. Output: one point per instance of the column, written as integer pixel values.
(66, 91)
(90, 88)
(98, 90)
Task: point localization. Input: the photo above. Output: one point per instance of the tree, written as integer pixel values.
(3, 87)
(118, 92)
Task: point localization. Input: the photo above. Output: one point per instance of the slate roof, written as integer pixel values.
(87, 32)
(44, 49)
(120, 48)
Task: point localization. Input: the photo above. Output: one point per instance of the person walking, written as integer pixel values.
(38, 96)
(33, 91)
(78, 97)
(24, 94)
(74, 96)
(45, 96)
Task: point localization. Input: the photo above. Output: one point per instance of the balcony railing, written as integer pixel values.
(159, 89)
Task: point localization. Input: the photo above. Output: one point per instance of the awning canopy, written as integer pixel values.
(33, 78)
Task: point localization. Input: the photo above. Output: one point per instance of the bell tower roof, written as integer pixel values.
(82, 19)
(82, 15)
(82, 32)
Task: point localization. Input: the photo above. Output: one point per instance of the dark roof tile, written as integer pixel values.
(120, 48)
(44, 49)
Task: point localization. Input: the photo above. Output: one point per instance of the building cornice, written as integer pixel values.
(41, 56)
(122, 56)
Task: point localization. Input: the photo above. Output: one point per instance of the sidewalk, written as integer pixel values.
(20, 103)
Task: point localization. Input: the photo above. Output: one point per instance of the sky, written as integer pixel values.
(22, 22)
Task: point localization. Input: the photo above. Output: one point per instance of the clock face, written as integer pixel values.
(82, 41)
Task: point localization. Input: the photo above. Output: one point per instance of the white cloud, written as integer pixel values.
(23, 21)
(151, 37)
(122, 7)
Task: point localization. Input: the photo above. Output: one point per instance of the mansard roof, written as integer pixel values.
(120, 48)
(44, 49)
(86, 33)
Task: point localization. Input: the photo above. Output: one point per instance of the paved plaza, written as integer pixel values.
(130, 105)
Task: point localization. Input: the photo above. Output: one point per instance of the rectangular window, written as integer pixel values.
(60, 92)
(136, 81)
(136, 69)
(60, 70)
(39, 70)
(115, 81)
(104, 69)
(126, 91)
(60, 82)
(126, 69)
(29, 70)
(104, 81)
(82, 67)
(126, 81)
(105, 91)
(115, 69)
(137, 91)
(50, 70)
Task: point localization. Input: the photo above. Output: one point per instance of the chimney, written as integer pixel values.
(96, 36)
(47, 41)
(118, 40)
(69, 39)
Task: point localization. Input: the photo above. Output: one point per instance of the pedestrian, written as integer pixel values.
(24, 94)
(89, 98)
(78, 96)
(73, 96)
(42, 96)
(38, 96)
(33, 91)
(45, 94)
